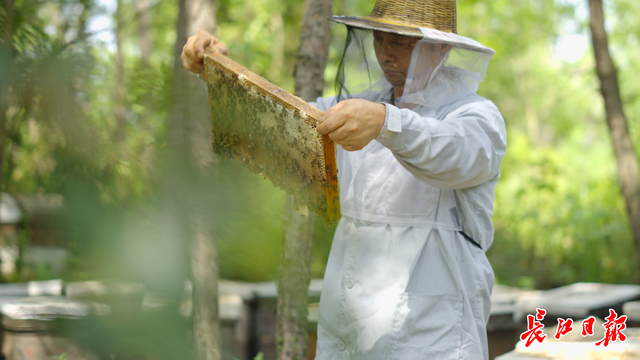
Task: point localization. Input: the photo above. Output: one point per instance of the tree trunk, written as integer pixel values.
(190, 157)
(313, 51)
(144, 24)
(202, 17)
(119, 88)
(204, 274)
(204, 261)
(617, 121)
(6, 62)
(293, 285)
(295, 269)
(82, 21)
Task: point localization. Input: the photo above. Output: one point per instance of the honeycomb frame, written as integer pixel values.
(273, 133)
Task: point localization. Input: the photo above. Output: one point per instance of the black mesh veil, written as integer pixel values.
(358, 69)
(444, 68)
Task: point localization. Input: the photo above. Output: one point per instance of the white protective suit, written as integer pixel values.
(402, 282)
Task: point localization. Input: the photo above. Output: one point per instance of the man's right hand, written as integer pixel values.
(193, 52)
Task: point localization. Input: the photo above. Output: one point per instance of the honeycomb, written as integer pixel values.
(273, 133)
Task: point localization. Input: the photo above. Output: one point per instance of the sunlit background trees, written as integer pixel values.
(85, 92)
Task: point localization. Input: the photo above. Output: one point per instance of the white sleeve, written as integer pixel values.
(324, 103)
(462, 151)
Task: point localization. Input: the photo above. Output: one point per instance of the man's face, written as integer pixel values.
(394, 55)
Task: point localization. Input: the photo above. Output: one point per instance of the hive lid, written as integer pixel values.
(577, 300)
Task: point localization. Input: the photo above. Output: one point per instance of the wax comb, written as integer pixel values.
(273, 133)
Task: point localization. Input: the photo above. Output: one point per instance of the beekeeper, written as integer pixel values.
(419, 158)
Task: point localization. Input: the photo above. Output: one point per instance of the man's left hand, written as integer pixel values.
(353, 123)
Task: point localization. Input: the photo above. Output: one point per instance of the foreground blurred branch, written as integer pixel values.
(295, 269)
(617, 121)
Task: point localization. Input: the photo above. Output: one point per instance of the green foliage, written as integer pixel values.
(260, 356)
(251, 228)
(559, 217)
(62, 356)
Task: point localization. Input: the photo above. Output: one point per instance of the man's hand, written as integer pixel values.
(353, 123)
(193, 52)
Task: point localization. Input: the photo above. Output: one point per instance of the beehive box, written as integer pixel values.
(274, 134)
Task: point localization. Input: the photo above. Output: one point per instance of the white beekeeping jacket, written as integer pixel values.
(401, 281)
(438, 171)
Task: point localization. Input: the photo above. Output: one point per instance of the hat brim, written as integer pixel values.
(434, 35)
(360, 22)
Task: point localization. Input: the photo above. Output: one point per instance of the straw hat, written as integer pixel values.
(406, 17)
